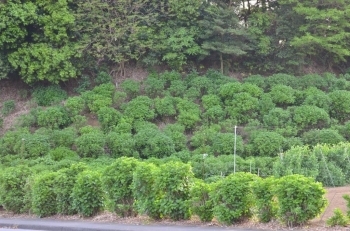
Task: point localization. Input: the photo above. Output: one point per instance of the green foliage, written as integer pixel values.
(87, 193)
(119, 98)
(264, 198)
(62, 153)
(232, 197)
(277, 118)
(318, 98)
(102, 78)
(150, 142)
(201, 203)
(84, 84)
(140, 108)
(176, 133)
(90, 144)
(165, 106)
(9, 140)
(32, 145)
(267, 143)
(108, 118)
(154, 86)
(242, 105)
(46, 96)
(300, 199)
(177, 88)
(323, 136)
(338, 219)
(116, 181)
(8, 107)
(64, 137)
(12, 188)
(174, 181)
(121, 144)
(64, 183)
(347, 199)
(282, 95)
(189, 113)
(44, 197)
(145, 195)
(223, 144)
(310, 117)
(131, 87)
(54, 117)
(340, 106)
(75, 105)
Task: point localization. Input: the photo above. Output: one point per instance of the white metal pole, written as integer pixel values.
(234, 151)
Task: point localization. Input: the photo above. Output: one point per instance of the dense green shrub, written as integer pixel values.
(150, 142)
(189, 113)
(54, 117)
(176, 133)
(140, 108)
(95, 101)
(46, 96)
(323, 136)
(131, 87)
(263, 195)
(103, 78)
(12, 183)
(121, 144)
(313, 80)
(282, 79)
(209, 101)
(79, 121)
(108, 118)
(165, 106)
(201, 204)
(252, 90)
(32, 145)
(243, 107)
(282, 95)
(84, 84)
(297, 160)
(119, 98)
(340, 106)
(10, 139)
(318, 98)
(116, 182)
(177, 88)
(64, 137)
(64, 183)
(174, 181)
(75, 105)
(90, 144)
(277, 118)
(145, 195)
(300, 199)
(154, 86)
(228, 91)
(214, 115)
(202, 83)
(257, 80)
(8, 107)
(204, 136)
(338, 219)
(267, 143)
(87, 193)
(232, 197)
(265, 105)
(62, 153)
(44, 197)
(306, 116)
(223, 144)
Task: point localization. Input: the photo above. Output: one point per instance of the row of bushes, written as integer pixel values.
(129, 187)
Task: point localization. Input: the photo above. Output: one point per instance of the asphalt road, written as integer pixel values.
(58, 225)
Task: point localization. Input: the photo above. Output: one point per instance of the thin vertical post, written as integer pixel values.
(234, 151)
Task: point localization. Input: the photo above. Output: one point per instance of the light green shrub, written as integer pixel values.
(54, 118)
(108, 118)
(140, 108)
(338, 219)
(131, 87)
(75, 105)
(46, 96)
(90, 144)
(121, 144)
(201, 204)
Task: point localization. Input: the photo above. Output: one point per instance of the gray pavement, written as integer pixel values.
(60, 225)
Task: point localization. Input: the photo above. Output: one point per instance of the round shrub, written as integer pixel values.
(277, 117)
(263, 194)
(75, 105)
(87, 193)
(300, 199)
(174, 181)
(64, 137)
(165, 106)
(44, 197)
(54, 117)
(151, 142)
(140, 108)
(323, 136)
(340, 106)
(32, 145)
(46, 96)
(228, 91)
(131, 87)
(282, 95)
(233, 198)
(306, 116)
(10, 139)
(64, 183)
(90, 144)
(108, 118)
(146, 197)
(209, 101)
(176, 133)
(201, 204)
(267, 143)
(243, 107)
(282, 79)
(257, 80)
(318, 98)
(154, 86)
(12, 188)
(223, 144)
(62, 153)
(103, 78)
(116, 182)
(121, 144)
(177, 88)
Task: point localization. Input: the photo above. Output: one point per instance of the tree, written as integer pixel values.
(36, 39)
(222, 33)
